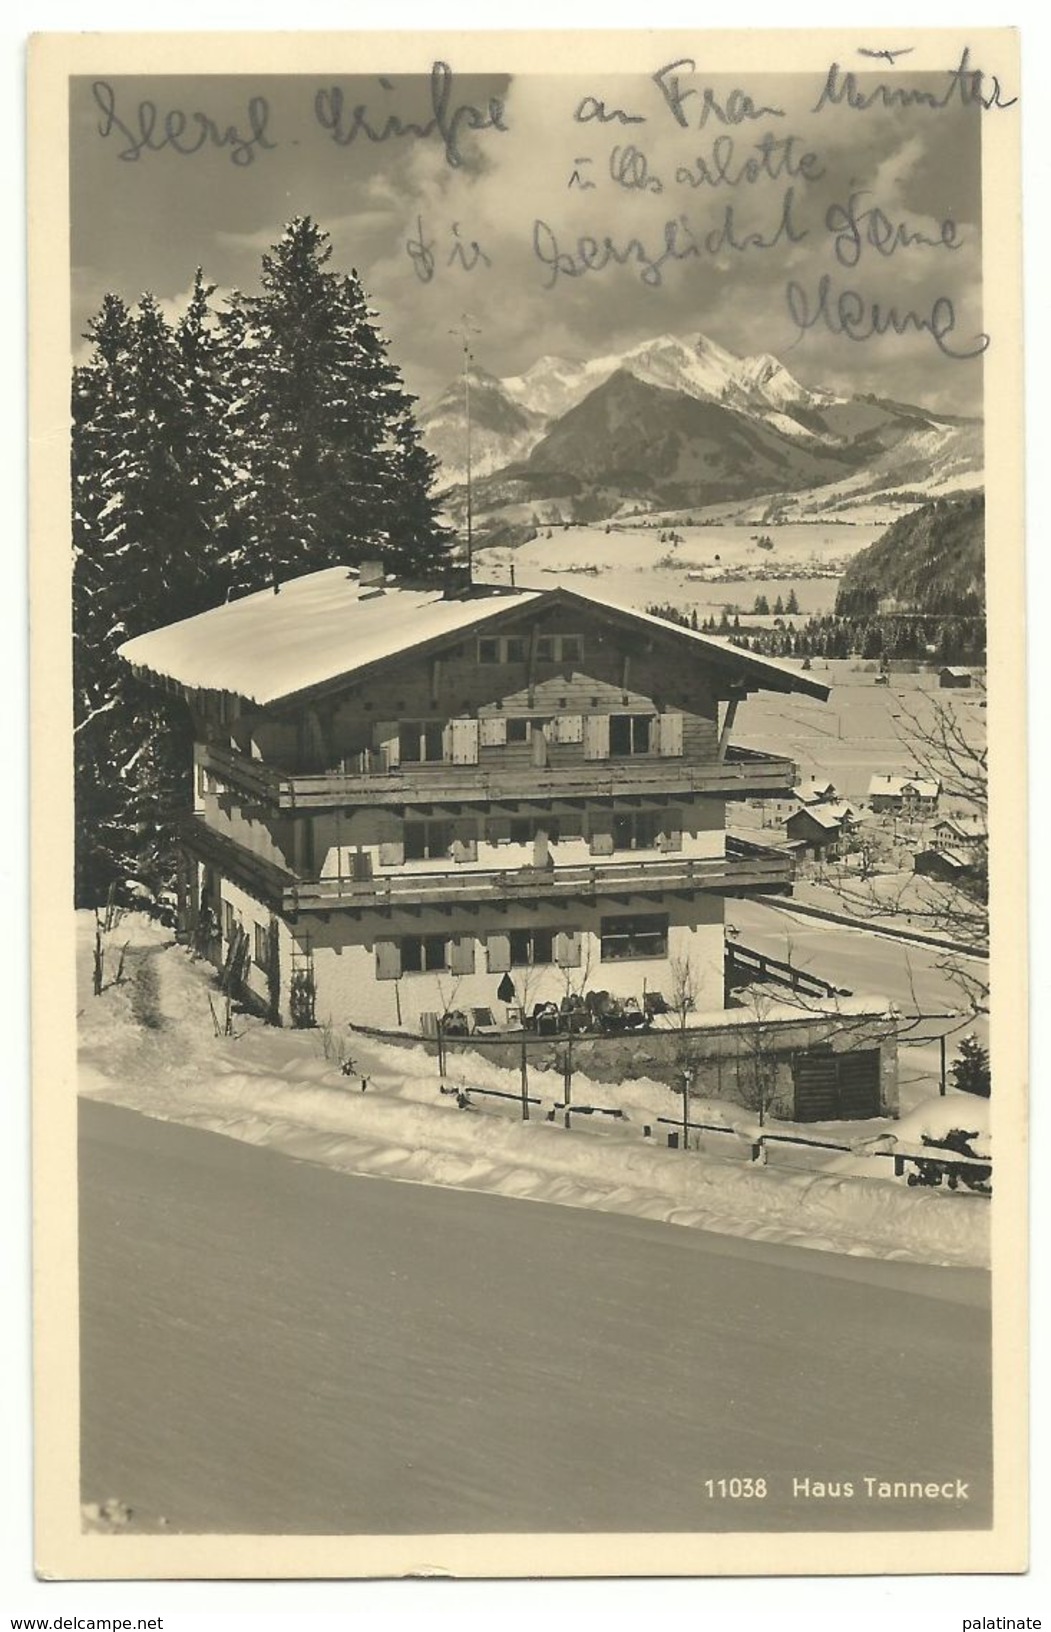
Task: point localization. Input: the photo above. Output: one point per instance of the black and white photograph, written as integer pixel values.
(530, 929)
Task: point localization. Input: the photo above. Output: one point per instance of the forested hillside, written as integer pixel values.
(931, 561)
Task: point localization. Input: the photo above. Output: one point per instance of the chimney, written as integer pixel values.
(371, 573)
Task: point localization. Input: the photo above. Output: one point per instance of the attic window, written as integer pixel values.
(515, 649)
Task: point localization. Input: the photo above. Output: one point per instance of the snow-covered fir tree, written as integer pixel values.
(149, 533)
(331, 468)
(208, 459)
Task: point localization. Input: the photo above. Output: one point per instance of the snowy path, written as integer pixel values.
(271, 1346)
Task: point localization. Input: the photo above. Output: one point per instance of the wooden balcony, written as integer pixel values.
(746, 869)
(743, 773)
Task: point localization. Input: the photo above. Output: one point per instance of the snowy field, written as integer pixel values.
(863, 729)
(272, 1346)
(632, 565)
(148, 1043)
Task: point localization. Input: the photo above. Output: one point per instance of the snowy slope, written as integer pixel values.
(148, 1044)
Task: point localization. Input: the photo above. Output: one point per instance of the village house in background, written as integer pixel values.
(821, 828)
(415, 800)
(912, 796)
(954, 678)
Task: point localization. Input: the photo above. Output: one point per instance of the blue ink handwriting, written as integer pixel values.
(184, 133)
(738, 106)
(448, 120)
(848, 313)
(463, 253)
(771, 158)
(629, 167)
(679, 243)
(592, 107)
(853, 229)
(965, 88)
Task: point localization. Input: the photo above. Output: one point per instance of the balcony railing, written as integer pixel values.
(742, 773)
(746, 868)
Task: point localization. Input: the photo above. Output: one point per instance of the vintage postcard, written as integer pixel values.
(529, 875)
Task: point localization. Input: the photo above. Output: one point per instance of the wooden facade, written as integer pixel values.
(541, 794)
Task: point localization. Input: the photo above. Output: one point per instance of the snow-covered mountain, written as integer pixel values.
(569, 426)
(696, 368)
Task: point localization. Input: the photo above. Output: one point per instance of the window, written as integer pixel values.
(207, 783)
(524, 829)
(420, 741)
(516, 648)
(518, 730)
(531, 946)
(422, 953)
(229, 921)
(629, 734)
(639, 937)
(635, 830)
(427, 841)
(261, 949)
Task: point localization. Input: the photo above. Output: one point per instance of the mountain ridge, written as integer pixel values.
(680, 422)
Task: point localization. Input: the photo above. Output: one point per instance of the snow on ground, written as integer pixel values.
(149, 1043)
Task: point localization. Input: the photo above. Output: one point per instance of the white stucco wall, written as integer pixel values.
(345, 968)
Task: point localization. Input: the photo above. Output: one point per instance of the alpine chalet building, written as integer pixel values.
(413, 799)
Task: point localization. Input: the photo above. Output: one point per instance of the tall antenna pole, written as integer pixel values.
(466, 329)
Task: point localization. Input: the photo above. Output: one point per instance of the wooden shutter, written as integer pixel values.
(670, 835)
(386, 737)
(461, 955)
(492, 731)
(465, 840)
(498, 950)
(567, 948)
(669, 730)
(601, 830)
(464, 742)
(596, 736)
(569, 728)
(392, 852)
(388, 960)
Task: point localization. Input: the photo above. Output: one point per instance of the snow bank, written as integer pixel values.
(275, 1088)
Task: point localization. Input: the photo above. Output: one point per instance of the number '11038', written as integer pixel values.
(735, 1490)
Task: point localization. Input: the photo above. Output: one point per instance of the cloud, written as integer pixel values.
(650, 238)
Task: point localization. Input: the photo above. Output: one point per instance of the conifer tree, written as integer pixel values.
(333, 469)
(148, 536)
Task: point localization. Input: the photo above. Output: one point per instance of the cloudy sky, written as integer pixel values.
(656, 257)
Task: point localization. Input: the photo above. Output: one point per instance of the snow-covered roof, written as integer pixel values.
(266, 647)
(951, 858)
(769, 672)
(925, 787)
(326, 624)
(965, 827)
(829, 816)
(810, 791)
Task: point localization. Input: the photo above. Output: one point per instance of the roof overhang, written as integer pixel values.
(423, 623)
